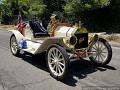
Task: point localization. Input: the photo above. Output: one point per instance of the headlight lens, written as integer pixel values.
(73, 40)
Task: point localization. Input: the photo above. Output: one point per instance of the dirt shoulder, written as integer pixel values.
(7, 27)
(113, 39)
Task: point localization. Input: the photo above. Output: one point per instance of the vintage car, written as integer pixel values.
(67, 44)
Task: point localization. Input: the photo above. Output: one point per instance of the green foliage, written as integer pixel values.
(19, 6)
(54, 5)
(26, 8)
(37, 8)
(66, 17)
(5, 8)
(75, 6)
(14, 7)
(67, 10)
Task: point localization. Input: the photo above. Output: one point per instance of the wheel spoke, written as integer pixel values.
(52, 55)
(103, 48)
(94, 48)
(52, 62)
(60, 67)
(59, 71)
(104, 52)
(95, 57)
(52, 59)
(60, 60)
(98, 58)
(53, 52)
(59, 55)
(101, 58)
(54, 66)
(95, 45)
(61, 63)
(94, 51)
(103, 55)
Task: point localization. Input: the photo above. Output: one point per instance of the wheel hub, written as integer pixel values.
(99, 51)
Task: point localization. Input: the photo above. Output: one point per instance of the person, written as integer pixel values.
(19, 19)
(20, 25)
(54, 23)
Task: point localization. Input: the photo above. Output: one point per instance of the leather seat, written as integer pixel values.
(38, 29)
(45, 24)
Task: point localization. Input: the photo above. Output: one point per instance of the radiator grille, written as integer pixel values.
(82, 40)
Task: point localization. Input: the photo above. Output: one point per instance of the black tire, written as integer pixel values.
(66, 62)
(17, 53)
(109, 55)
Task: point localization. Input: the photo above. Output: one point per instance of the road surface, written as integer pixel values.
(30, 73)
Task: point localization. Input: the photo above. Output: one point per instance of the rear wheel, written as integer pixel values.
(14, 46)
(57, 62)
(102, 51)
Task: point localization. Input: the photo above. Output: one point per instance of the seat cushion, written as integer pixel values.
(45, 24)
(37, 28)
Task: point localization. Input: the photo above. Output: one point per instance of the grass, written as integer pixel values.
(7, 27)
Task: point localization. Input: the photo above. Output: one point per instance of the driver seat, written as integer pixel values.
(38, 28)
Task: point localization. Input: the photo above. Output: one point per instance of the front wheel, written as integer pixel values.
(102, 52)
(57, 62)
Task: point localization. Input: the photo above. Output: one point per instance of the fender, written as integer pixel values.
(18, 35)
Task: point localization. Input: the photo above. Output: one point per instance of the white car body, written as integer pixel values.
(38, 45)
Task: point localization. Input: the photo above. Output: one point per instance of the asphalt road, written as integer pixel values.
(30, 73)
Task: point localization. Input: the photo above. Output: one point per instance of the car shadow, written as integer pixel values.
(36, 60)
(80, 69)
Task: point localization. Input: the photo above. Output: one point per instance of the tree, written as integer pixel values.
(54, 5)
(5, 8)
(19, 6)
(10, 8)
(75, 6)
(37, 8)
(14, 7)
(26, 8)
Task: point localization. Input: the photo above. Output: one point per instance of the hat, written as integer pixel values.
(53, 16)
